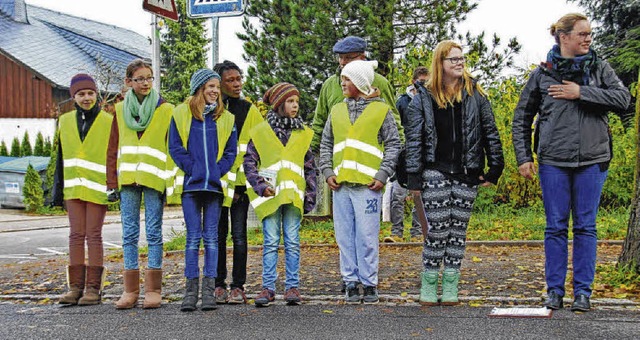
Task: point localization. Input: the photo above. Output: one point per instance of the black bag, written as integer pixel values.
(401, 168)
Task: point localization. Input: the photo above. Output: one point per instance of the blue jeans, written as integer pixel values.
(574, 191)
(130, 200)
(356, 223)
(201, 215)
(238, 212)
(288, 218)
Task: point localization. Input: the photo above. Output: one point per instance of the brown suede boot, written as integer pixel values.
(93, 290)
(152, 288)
(75, 281)
(129, 297)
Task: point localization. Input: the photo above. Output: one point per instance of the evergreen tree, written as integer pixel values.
(295, 39)
(25, 146)
(47, 146)
(182, 51)
(38, 149)
(32, 190)
(51, 167)
(616, 34)
(3, 149)
(15, 147)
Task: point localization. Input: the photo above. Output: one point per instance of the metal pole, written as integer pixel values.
(214, 40)
(155, 52)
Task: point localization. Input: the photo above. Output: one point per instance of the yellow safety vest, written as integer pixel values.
(143, 160)
(182, 116)
(356, 152)
(236, 176)
(284, 165)
(85, 162)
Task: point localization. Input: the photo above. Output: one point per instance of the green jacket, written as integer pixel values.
(331, 94)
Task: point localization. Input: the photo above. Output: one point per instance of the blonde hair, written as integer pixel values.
(444, 96)
(196, 105)
(565, 25)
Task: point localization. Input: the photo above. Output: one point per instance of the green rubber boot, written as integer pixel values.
(429, 289)
(450, 279)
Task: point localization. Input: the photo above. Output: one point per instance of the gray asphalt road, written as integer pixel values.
(306, 322)
(53, 237)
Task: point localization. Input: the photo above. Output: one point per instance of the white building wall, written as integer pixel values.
(16, 127)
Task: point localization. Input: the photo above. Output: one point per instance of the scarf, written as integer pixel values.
(208, 108)
(577, 69)
(282, 124)
(138, 116)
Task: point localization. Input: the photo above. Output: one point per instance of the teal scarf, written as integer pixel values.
(576, 69)
(138, 116)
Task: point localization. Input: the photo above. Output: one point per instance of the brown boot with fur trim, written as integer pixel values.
(152, 288)
(93, 290)
(75, 281)
(129, 297)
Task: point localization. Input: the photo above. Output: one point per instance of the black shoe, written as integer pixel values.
(352, 296)
(554, 301)
(208, 296)
(581, 304)
(370, 295)
(190, 295)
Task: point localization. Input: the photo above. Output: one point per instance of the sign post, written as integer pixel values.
(167, 9)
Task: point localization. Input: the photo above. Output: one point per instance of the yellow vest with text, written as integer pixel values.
(236, 176)
(357, 154)
(85, 162)
(286, 163)
(182, 116)
(143, 161)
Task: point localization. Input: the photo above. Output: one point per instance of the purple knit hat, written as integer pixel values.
(82, 81)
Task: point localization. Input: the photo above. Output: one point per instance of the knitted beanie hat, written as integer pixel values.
(82, 81)
(201, 77)
(278, 94)
(361, 74)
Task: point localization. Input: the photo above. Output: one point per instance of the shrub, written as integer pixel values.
(32, 190)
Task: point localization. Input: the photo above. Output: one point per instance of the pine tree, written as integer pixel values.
(32, 190)
(47, 146)
(182, 51)
(295, 40)
(25, 146)
(38, 149)
(15, 147)
(3, 149)
(51, 167)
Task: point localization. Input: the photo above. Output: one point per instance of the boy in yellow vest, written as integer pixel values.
(359, 148)
(81, 179)
(281, 183)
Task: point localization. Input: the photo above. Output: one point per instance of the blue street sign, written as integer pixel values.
(215, 8)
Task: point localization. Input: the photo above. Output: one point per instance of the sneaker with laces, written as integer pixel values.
(292, 296)
(370, 295)
(265, 297)
(352, 294)
(221, 295)
(237, 296)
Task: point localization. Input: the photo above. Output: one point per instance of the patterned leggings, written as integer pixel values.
(448, 204)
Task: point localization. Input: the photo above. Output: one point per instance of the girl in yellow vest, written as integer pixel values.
(81, 171)
(281, 184)
(358, 152)
(137, 166)
(202, 142)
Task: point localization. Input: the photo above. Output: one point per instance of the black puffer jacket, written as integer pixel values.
(480, 137)
(571, 133)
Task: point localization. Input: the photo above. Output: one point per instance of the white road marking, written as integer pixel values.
(18, 256)
(112, 245)
(52, 251)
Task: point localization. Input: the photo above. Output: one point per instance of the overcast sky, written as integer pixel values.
(529, 20)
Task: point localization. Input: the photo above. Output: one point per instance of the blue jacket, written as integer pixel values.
(198, 161)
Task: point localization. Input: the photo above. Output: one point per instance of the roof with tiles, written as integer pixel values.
(56, 46)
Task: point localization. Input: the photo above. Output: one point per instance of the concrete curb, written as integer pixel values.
(66, 224)
(386, 299)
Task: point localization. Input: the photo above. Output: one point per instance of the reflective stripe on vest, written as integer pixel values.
(357, 154)
(286, 163)
(236, 176)
(143, 160)
(182, 116)
(85, 162)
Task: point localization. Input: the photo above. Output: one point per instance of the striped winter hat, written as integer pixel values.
(278, 94)
(201, 77)
(82, 81)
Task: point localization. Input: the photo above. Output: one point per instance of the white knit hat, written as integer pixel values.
(361, 73)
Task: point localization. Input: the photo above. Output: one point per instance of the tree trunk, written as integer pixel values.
(630, 255)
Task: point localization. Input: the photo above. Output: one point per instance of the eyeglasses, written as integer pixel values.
(455, 60)
(584, 35)
(142, 80)
(347, 58)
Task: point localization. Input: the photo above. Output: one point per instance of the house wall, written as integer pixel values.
(22, 93)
